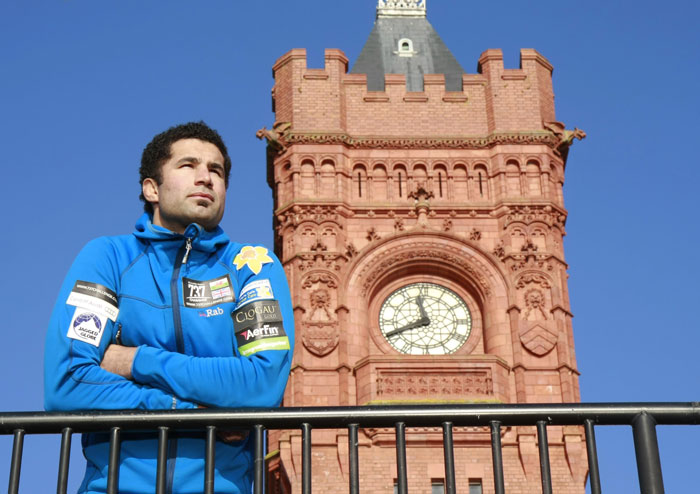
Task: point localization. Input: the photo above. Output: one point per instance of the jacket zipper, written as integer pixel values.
(181, 259)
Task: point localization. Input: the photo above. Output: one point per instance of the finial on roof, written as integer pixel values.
(401, 8)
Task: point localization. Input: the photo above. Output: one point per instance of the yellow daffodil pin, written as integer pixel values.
(253, 257)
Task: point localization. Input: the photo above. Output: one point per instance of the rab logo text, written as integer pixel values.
(212, 312)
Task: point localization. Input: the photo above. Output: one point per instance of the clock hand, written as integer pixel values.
(419, 301)
(423, 321)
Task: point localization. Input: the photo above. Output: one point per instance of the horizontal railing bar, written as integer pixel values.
(336, 417)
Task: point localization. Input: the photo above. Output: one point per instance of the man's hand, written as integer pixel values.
(118, 360)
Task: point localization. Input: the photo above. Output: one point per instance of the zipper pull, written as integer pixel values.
(188, 248)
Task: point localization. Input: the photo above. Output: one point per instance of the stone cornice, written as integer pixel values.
(382, 142)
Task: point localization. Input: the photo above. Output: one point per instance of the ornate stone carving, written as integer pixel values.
(499, 251)
(534, 305)
(532, 277)
(422, 197)
(318, 246)
(299, 214)
(405, 385)
(350, 250)
(492, 140)
(320, 303)
(421, 194)
(399, 225)
(565, 138)
(372, 234)
(447, 224)
(538, 338)
(321, 277)
(530, 214)
(320, 338)
(320, 332)
(427, 251)
(276, 137)
(475, 235)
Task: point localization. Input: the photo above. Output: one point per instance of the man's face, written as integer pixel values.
(193, 189)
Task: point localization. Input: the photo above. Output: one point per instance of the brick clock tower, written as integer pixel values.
(419, 217)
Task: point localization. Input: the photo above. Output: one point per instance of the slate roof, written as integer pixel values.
(380, 55)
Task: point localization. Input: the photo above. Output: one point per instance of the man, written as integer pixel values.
(174, 316)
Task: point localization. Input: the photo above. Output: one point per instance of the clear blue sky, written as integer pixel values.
(86, 84)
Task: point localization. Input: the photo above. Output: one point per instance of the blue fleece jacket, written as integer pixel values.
(213, 323)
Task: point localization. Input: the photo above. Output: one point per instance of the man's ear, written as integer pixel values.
(149, 187)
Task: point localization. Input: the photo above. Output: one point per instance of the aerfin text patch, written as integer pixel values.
(258, 326)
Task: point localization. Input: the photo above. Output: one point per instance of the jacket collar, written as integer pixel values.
(202, 240)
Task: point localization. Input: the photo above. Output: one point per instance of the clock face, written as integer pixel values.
(425, 319)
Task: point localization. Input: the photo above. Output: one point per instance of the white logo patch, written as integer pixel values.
(87, 326)
(255, 290)
(94, 297)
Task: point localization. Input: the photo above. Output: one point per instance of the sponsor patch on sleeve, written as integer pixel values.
(255, 290)
(201, 294)
(258, 326)
(87, 326)
(95, 297)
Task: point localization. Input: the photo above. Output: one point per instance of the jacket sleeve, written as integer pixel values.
(73, 378)
(255, 380)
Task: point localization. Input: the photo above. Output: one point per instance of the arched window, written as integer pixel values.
(420, 176)
(440, 181)
(460, 183)
(405, 48)
(400, 178)
(512, 179)
(481, 182)
(534, 184)
(328, 179)
(307, 179)
(359, 178)
(379, 183)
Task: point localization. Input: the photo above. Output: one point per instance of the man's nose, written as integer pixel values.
(203, 175)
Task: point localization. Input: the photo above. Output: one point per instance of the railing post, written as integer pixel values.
(259, 473)
(646, 447)
(544, 457)
(162, 461)
(16, 466)
(354, 462)
(401, 458)
(592, 451)
(114, 453)
(497, 455)
(448, 448)
(64, 461)
(209, 458)
(306, 458)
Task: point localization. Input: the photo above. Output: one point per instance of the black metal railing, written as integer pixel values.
(642, 417)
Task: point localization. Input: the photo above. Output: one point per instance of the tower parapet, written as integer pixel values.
(496, 100)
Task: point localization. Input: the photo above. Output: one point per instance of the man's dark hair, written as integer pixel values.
(157, 152)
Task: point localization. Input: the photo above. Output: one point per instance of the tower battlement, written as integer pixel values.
(494, 100)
